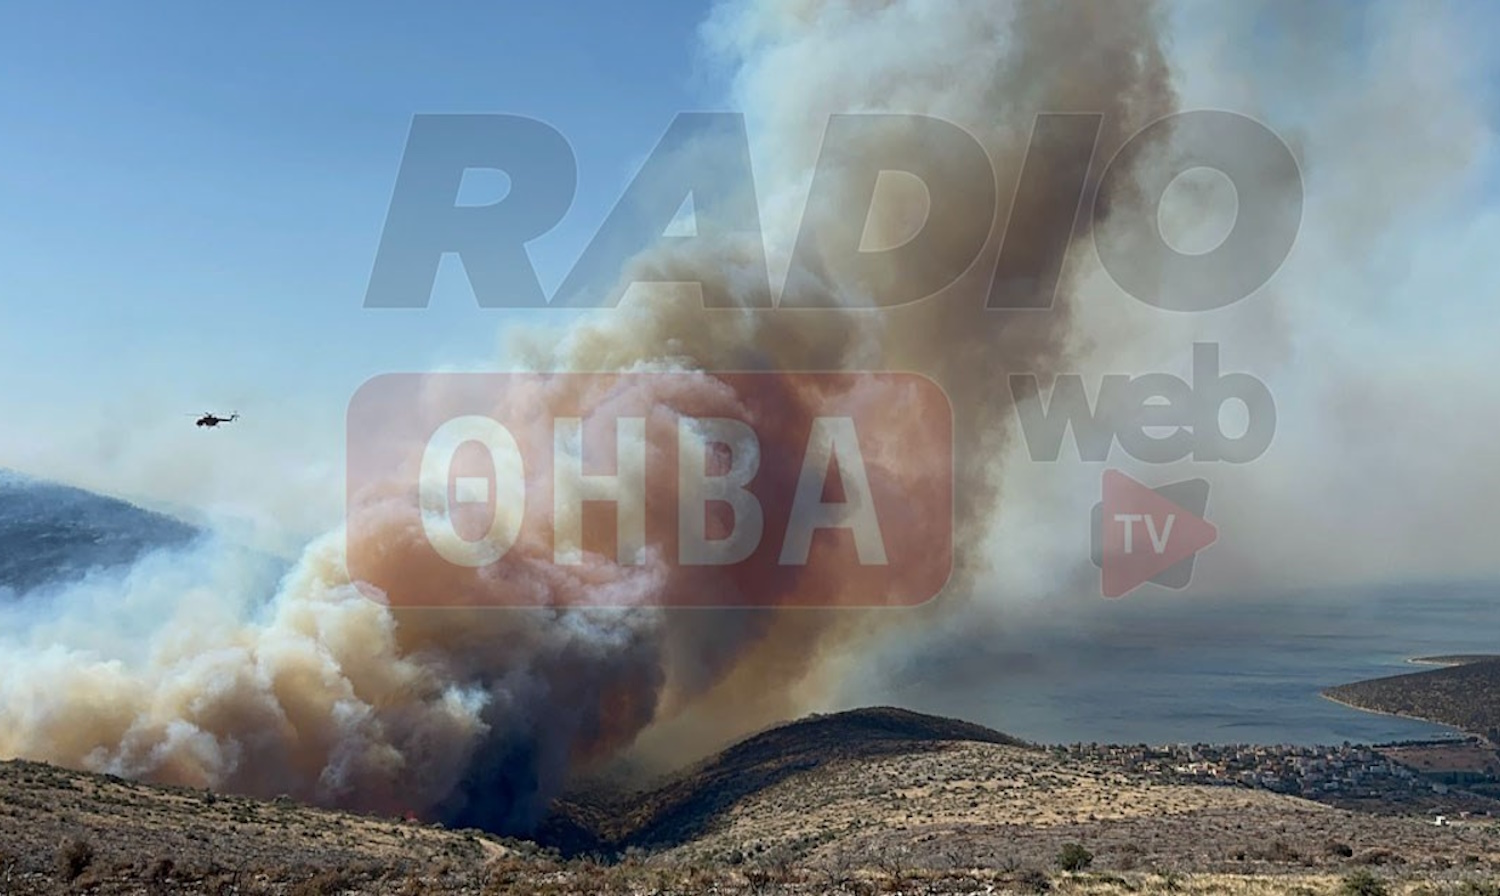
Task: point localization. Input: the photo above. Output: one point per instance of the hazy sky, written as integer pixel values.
(193, 197)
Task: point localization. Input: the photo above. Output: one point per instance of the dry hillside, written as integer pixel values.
(864, 802)
(860, 788)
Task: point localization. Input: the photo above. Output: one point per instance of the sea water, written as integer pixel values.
(1181, 671)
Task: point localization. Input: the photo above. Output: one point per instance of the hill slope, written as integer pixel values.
(861, 802)
(969, 804)
(52, 533)
(693, 801)
(859, 787)
(99, 833)
(1465, 695)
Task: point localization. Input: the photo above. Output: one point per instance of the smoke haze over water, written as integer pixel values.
(214, 677)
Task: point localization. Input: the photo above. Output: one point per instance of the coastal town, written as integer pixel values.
(1451, 777)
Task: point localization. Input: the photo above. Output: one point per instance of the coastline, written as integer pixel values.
(1440, 661)
(1449, 661)
(1396, 715)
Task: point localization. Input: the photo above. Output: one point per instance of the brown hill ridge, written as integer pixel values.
(878, 800)
(1463, 694)
(687, 804)
(858, 787)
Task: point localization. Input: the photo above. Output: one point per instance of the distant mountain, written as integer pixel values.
(52, 533)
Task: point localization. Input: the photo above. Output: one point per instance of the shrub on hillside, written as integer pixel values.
(1073, 857)
(73, 857)
(1364, 883)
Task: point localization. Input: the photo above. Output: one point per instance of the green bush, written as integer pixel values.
(1073, 857)
(1364, 883)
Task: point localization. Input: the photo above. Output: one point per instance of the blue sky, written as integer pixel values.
(193, 194)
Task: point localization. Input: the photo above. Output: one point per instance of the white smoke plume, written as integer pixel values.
(1373, 338)
(476, 716)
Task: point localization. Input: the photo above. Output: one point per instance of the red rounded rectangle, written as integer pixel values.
(683, 489)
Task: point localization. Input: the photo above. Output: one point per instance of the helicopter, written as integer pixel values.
(211, 421)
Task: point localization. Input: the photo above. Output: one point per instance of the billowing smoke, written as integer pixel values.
(1372, 338)
(478, 716)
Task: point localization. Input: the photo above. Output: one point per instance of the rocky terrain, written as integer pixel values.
(877, 800)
